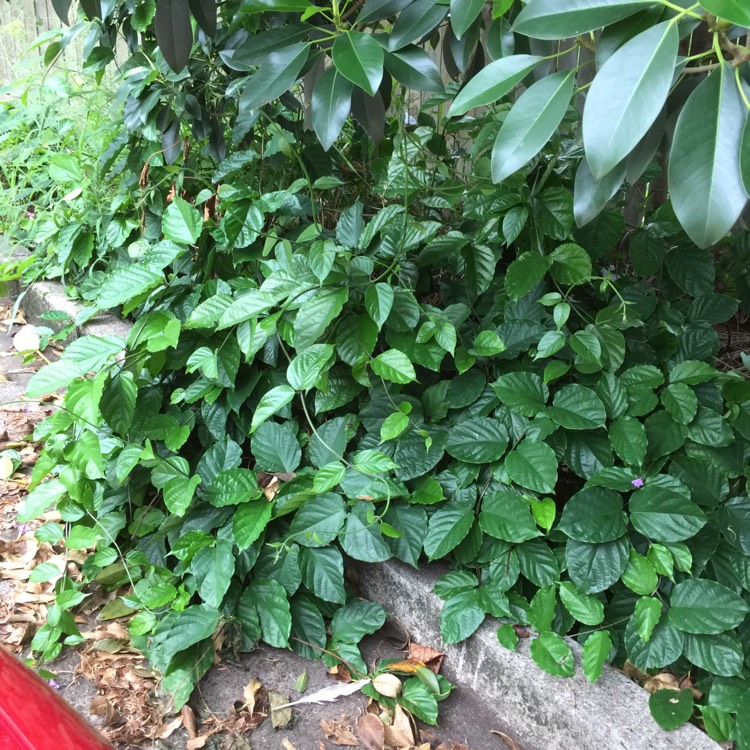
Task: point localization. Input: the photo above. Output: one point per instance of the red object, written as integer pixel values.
(34, 717)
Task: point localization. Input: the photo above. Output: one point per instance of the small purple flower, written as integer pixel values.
(30, 215)
(637, 482)
(23, 529)
(53, 684)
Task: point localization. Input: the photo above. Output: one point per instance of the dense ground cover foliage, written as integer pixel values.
(393, 336)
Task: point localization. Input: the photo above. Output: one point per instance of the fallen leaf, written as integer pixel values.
(371, 732)
(662, 681)
(250, 693)
(168, 729)
(509, 741)
(197, 742)
(409, 666)
(287, 745)
(6, 468)
(339, 732)
(281, 715)
(387, 684)
(327, 694)
(101, 707)
(188, 719)
(432, 658)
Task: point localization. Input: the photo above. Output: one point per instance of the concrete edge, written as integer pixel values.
(549, 713)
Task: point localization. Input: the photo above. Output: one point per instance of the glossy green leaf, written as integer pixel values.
(703, 607)
(585, 608)
(533, 465)
(331, 103)
(394, 366)
(531, 123)
(309, 365)
(447, 528)
(359, 58)
(232, 487)
(318, 521)
(275, 76)
(492, 82)
(174, 32)
(270, 602)
(704, 167)
(549, 19)
(735, 11)
(594, 515)
(628, 437)
(595, 567)
(648, 611)
(576, 407)
(415, 22)
(477, 441)
(463, 14)
(671, 708)
(522, 392)
(718, 654)
(460, 616)
(506, 516)
(553, 655)
(663, 515)
(353, 622)
(414, 68)
(641, 72)
(249, 522)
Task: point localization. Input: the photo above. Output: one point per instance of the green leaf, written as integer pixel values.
(641, 72)
(393, 425)
(692, 269)
(350, 624)
(663, 648)
(538, 563)
(318, 521)
(507, 636)
(250, 521)
(331, 103)
(692, 372)
(571, 264)
(663, 515)
(460, 616)
(213, 568)
(628, 438)
(639, 575)
(531, 122)
(250, 304)
(305, 369)
(271, 402)
(718, 654)
(359, 58)
(595, 654)
(704, 171)
(447, 527)
(719, 725)
(671, 708)
(394, 366)
(414, 68)
(681, 402)
(126, 282)
(179, 493)
(735, 11)
(275, 76)
(118, 402)
(594, 515)
(525, 273)
(533, 465)
(307, 625)
(477, 441)
(415, 22)
(362, 538)
(506, 516)
(647, 615)
(379, 302)
(548, 19)
(181, 222)
(463, 15)
(553, 655)
(585, 608)
(417, 698)
(269, 600)
(276, 448)
(492, 82)
(323, 573)
(577, 408)
(232, 487)
(522, 392)
(40, 499)
(315, 314)
(595, 567)
(487, 344)
(703, 607)
(180, 630)
(174, 32)
(592, 195)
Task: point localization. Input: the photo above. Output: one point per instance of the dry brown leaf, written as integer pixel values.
(432, 658)
(188, 720)
(101, 707)
(197, 742)
(250, 693)
(339, 732)
(400, 734)
(408, 666)
(287, 745)
(167, 730)
(509, 741)
(452, 746)
(371, 732)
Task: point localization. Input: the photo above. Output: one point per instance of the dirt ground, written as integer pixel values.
(112, 686)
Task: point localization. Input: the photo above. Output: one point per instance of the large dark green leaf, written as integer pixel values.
(595, 567)
(663, 515)
(492, 82)
(627, 95)
(174, 32)
(533, 465)
(531, 123)
(62, 8)
(591, 196)
(477, 441)
(708, 194)
(414, 68)
(447, 528)
(414, 22)
(331, 102)
(255, 49)
(594, 515)
(359, 58)
(705, 607)
(506, 516)
(552, 19)
(274, 77)
(374, 10)
(204, 12)
(745, 156)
